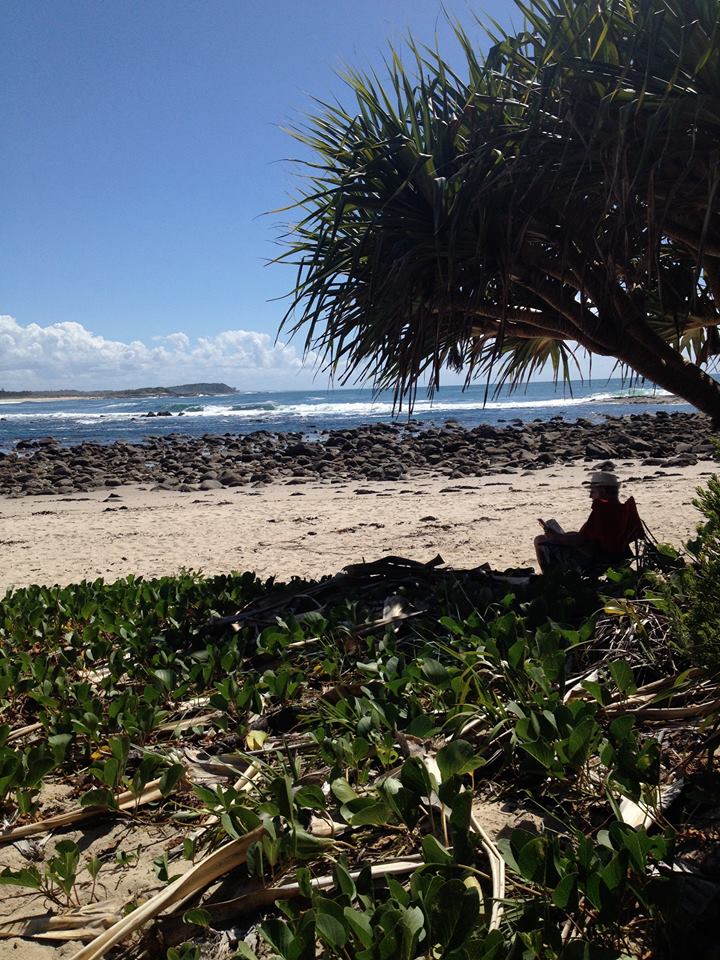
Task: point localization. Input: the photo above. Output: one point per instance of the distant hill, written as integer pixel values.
(180, 390)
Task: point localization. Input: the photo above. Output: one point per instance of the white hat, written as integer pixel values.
(602, 478)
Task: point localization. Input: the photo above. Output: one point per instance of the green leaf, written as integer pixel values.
(59, 743)
(108, 773)
(27, 877)
(457, 757)
(208, 797)
(198, 916)
(565, 893)
(434, 852)
(279, 935)
(413, 921)
(532, 859)
(613, 874)
(310, 797)
(416, 778)
(303, 878)
(38, 769)
(342, 790)
(280, 789)
(170, 778)
(99, 798)
(306, 845)
(580, 739)
(328, 923)
(366, 811)
(434, 671)
(343, 881)
(243, 952)
(453, 912)
(540, 751)
(598, 691)
(166, 678)
(359, 924)
(623, 677)
(228, 825)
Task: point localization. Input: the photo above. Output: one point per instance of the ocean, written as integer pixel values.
(310, 411)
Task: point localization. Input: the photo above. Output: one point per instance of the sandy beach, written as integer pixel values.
(317, 527)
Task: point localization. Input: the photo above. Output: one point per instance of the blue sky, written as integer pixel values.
(142, 145)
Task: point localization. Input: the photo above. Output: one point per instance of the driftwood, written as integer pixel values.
(224, 911)
(85, 923)
(386, 570)
(126, 801)
(199, 877)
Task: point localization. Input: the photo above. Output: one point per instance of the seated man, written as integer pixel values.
(604, 538)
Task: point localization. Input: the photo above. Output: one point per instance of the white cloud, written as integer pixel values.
(67, 355)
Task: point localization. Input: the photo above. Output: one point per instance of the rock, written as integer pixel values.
(383, 452)
(210, 485)
(229, 479)
(598, 451)
(300, 450)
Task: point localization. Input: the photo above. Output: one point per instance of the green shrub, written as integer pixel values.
(700, 625)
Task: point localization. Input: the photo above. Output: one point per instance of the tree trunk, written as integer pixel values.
(653, 358)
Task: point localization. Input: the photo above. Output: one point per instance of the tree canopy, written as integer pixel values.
(563, 190)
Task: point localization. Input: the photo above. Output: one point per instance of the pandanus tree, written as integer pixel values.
(560, 190)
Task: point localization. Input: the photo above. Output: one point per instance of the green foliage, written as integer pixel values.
(700, 582)
(400, 731)
(186, 951)
(57, 879)
(612, 875)
(448, 210)
(440, 915)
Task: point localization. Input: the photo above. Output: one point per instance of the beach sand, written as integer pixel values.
(315, 528)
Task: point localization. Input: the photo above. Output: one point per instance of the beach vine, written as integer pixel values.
(398, 761)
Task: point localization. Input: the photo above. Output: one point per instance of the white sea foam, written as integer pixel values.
(270, 410)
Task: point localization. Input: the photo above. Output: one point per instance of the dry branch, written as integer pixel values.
(220, 862)
(84, 923)
(224, 911)
(126, 801)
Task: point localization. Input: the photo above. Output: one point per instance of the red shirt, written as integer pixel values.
(606, 527)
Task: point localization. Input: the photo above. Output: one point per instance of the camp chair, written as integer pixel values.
(639, 541)
(635, 533)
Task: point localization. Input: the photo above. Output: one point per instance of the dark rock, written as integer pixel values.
(300, 450)
(598, 451)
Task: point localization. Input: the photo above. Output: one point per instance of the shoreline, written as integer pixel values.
(316, 528)
(377, 452)
(49, 399)
(281, 505)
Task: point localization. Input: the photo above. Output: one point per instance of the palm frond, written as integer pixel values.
(565, 191)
